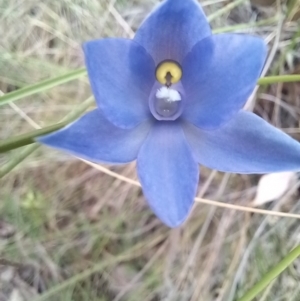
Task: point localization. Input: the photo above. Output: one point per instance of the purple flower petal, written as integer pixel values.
(168, 173)
(122, 75)
(94, 138)
(247, 144)
(219, 74)
(173, 29)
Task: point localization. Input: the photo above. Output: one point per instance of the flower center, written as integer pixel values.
(167, 95)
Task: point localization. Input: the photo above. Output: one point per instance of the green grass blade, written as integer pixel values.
(28, 138)
(224, 10)
(11, 164)
(74, 114)
(42, 86)
(243, 26)
(270, 276)
(6, 168)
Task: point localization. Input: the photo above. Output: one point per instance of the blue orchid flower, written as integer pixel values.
(171, 99)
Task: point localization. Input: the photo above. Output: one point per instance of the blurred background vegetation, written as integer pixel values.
(69, 231)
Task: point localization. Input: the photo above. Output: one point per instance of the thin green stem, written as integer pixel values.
(53, 82)
(279, 79)
(271, 275)
(42, 86)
